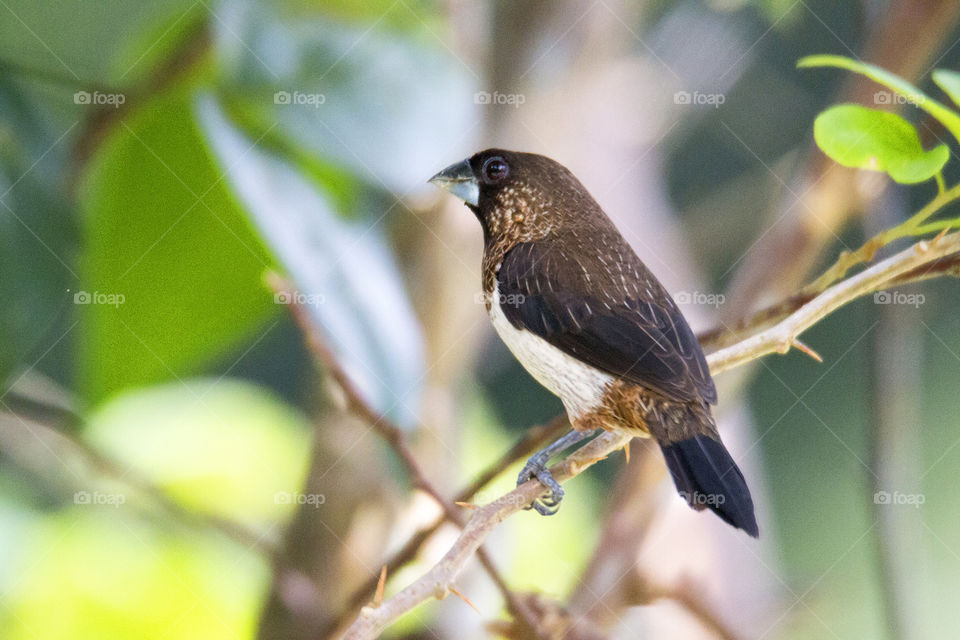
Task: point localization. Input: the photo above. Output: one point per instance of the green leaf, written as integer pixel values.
(114, 44)
(111, 574)
(172, 270)
(342, 268)
(856, 136)
(949, 83)
(947, 117)
(37, 232)
(229, 453)
(384, 105)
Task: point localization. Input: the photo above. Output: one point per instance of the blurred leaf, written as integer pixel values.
(863, 138)
(343, 269)
(409, 16)
(173, 260)
(37, 232)
(171, 27)
(949, 83)
(947, 117)
(89, 42)
(388, 107)
(99, 572)
(221, 447)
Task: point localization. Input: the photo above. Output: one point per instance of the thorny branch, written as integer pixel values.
(786, 333)
(534, 439)
(726, 335)
(915, 263)
(393, 435)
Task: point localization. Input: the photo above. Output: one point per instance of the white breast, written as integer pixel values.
(578, 385)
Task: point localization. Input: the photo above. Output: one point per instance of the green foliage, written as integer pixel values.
(949, 83)
(346, 89)
(863, 138)
(100, 572)
(105, 44)
(225, 448)
(856, 136)
(364, 310)
(36, 232)
(163, 231)
(909, 93)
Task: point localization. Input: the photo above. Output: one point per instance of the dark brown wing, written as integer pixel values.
(618, 319)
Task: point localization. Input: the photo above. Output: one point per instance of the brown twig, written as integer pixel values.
(535, 438)
(724, 336)
(686, 597)
(437, 581)
(782, 336)
(393, 435)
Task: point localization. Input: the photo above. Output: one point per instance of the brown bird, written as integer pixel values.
(592, 324)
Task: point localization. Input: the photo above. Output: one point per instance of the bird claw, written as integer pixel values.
(549, 504)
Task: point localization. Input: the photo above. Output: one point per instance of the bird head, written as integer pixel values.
(513, 194)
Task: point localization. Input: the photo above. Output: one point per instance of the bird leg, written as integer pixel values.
(536, 467)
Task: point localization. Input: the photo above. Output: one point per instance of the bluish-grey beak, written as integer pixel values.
(459, 180)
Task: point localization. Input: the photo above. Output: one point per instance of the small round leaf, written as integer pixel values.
(863, 138)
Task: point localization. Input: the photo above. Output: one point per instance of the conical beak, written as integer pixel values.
(459, 180)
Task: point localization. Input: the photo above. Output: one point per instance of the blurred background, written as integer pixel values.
(173, 463)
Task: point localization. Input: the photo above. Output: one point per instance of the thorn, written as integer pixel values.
(577, 467)
(464, 598)
(940, 235)
(466, 505)
(626, 452)
(381, 585)
(807, 350)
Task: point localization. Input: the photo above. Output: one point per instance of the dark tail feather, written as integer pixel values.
(707, 477)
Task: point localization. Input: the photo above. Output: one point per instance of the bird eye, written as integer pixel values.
(495, 170)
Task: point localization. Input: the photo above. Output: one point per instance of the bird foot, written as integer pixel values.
(536, 467)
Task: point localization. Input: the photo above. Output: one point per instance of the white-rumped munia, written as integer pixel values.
(591, 323)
